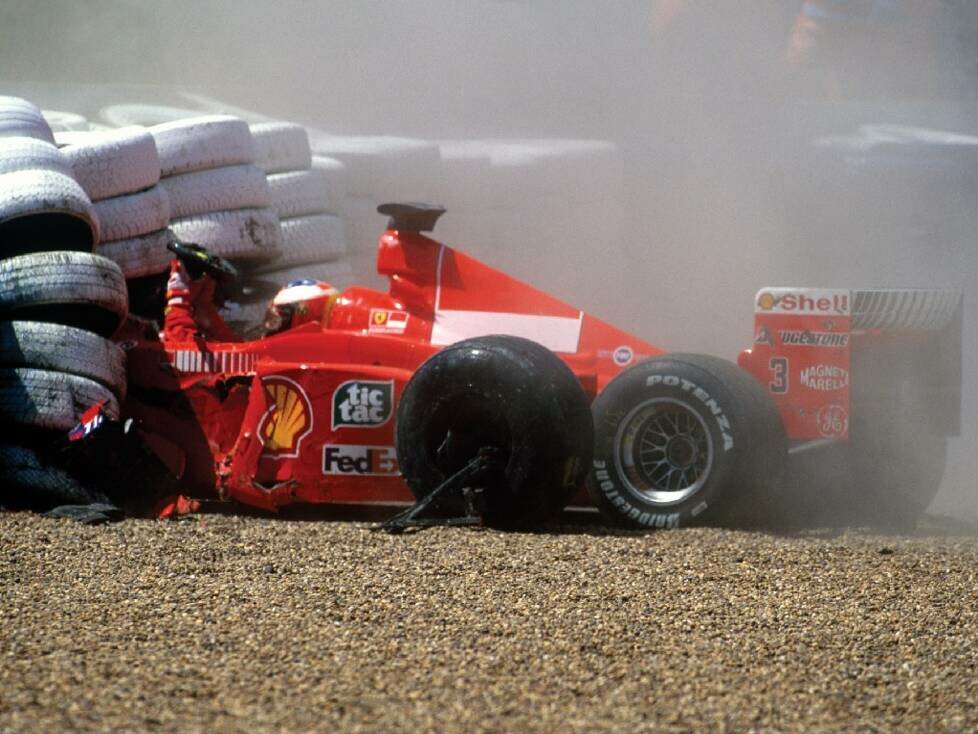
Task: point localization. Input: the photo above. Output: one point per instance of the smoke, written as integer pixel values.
(747, 163)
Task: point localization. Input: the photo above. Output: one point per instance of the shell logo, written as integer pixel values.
(288, 419)
(766, 301)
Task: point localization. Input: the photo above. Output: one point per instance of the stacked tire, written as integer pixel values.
(525, 204)
(307, 199)
(120, 172)
(59, 303)
(378, 169)
(218, 197)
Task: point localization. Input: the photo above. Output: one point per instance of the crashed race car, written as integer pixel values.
(486, 400)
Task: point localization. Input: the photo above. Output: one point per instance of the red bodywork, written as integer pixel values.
(308, 415)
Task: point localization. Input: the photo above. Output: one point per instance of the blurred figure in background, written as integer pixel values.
(845, 49)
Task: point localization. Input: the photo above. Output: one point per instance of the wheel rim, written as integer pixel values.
(664, 451)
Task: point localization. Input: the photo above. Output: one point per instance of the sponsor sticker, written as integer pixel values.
(833, 421)
(363, 403)
(386, 321)
(361, 461)
(763, 336)
(623, 356)
(795, 338)
(806, 301)
(288, 419)
(824, 377)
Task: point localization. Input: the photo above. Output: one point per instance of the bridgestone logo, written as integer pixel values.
(813, 338)
(703, 396)
(648, 519)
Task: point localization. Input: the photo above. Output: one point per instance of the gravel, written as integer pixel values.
(250, 624)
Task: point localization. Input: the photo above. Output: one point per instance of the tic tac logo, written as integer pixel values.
(361, 461)
(363, 404)
(288, 419)
(808, 301)
(385, 321)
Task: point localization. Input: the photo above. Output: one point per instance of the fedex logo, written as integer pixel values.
(816, 301)
(360, 461)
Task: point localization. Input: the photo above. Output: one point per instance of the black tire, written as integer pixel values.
(508, 393)
(71, 288)
(896, 451)
(32, 398)
(714, 445)
(28, 483)
(58, 348)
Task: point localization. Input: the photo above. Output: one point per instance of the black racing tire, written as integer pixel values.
(685, 439)
(896, 452)
(509, 393)
(28, 483)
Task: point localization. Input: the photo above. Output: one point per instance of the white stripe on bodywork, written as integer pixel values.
(556, 333)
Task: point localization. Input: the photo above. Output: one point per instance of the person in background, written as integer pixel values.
(859, 49)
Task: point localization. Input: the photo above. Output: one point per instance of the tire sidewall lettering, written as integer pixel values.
(713, 407)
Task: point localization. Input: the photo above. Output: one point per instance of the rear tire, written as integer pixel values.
(508, 393)
(896, 451)
(685, 439)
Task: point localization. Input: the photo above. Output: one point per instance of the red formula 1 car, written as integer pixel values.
(504, 401)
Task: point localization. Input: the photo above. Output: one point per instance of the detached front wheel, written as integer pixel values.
(685, 439)
(512, 396)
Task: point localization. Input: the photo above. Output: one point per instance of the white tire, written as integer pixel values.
(21, 154)
(64, 121)
(281, 146)
(125, 217)
(202, 142)
(383, 168)
(140, 256)
(113, 163)
(122, 115)
(364, 224)
(45, 210)
(339, 273)
(298, 193)
(52, 400)
(20, 118)
(465, 178)
(315, 238)
(59, 348)
(247, 319)
(244, 234)
(217, 189)
(72, 288)
(335, 173)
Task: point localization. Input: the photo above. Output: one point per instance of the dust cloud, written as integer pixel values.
(756, 152)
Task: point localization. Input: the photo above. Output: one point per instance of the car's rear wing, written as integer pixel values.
(823, 353)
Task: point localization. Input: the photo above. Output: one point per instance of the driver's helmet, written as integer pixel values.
(300, 302)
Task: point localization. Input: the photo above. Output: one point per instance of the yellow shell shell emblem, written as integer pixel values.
(289, 416)
(766, 301)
